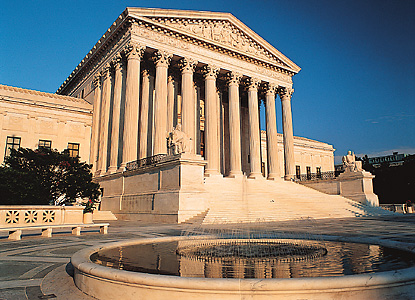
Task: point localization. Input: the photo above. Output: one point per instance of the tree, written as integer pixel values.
(45, 176)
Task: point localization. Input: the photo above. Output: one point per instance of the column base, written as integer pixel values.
(273, 177)
(112, 169)
(235, 174)
(210, 173)
(255, 176)
(289, 177)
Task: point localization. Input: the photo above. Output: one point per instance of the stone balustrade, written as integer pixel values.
(399, 208)
(31, 215)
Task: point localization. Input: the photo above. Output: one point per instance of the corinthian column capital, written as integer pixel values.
(252, 84)
(117, 62)
(173, 76)
(96, 81)
(134, 50)
(270, 88)
(210, 71)
(233, 78)
(162, 58)
(105, 73)
(187, 65)
(285, 93)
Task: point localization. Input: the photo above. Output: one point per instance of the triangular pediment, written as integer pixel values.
(219, 29)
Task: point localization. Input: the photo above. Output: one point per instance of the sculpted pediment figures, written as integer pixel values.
(219, 32)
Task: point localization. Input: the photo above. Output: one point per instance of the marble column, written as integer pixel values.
(221, 131)
(198, 115)
(234, 124)
(162, 62)
(254, 133)
(133, 52)
(105, 114)
(170, 102)
(144, 111)
(212, 149)
(188, 116)
(287, 127)
(272, 134)
(177, 100)
(116, 112)
(95, 124)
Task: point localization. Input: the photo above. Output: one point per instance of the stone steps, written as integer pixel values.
(198, 219)
(244, 200)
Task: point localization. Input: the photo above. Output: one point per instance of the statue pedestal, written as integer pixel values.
(358, 187)
(169, 191)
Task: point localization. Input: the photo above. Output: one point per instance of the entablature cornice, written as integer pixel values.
(44, 105)
(180, 38)
(184, 48)
(116, 37)
(221, 29)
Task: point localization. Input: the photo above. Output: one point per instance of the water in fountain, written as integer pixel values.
(250, 242)
(254, 250)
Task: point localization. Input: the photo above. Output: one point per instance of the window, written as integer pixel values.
(298, 172)
(12, 142)
(308, 173)
(45, 144)
(263, 169)
(73, 149)
(318, 171)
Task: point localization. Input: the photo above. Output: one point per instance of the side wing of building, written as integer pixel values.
(33, 119)
(309, 155)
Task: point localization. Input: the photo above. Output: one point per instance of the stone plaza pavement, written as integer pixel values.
(38, 268)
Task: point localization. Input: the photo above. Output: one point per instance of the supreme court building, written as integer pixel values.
(175, 129)
(153, 68)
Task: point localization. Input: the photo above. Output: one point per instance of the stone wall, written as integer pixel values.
(168, 192)
(356, 186)
(33, 116)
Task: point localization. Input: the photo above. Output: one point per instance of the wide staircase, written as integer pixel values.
(248, 200)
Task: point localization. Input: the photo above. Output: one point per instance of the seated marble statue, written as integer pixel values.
(178, 141)
(350, 164)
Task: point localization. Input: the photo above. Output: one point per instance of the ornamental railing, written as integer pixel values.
(34, 215)
(146, 162)
(399, 208)
(316, 176)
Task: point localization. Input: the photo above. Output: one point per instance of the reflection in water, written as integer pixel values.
(174, 258)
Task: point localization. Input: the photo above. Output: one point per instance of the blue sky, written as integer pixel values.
(356, 89)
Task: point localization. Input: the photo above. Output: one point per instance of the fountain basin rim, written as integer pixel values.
(84, 266)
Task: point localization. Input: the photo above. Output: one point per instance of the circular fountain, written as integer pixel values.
(240, 262)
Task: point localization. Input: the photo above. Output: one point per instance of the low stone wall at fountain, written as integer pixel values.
(108, 283)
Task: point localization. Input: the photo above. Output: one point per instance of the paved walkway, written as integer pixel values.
(38, 268)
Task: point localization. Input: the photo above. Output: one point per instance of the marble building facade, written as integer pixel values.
(33, 119)
(153, 68)
(207, 73)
